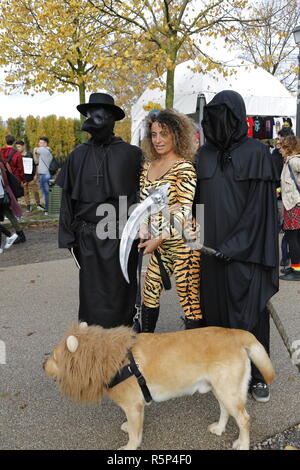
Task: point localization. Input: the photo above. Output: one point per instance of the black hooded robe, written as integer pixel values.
(92, 179)
(236, 182)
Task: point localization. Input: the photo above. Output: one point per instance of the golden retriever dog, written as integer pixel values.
(173, 364)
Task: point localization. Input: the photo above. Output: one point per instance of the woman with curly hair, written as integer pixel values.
(169, 148)
(290, 193)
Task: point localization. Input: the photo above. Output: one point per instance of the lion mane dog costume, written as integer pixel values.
(173, 364)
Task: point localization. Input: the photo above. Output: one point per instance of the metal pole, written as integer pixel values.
(201, 108)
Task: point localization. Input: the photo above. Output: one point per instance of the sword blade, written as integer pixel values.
(154, 203)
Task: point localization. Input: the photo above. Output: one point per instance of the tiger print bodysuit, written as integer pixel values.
(175, 254)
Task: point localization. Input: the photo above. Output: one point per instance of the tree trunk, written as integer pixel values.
(172, 56)
(83, 135)
(170, 88)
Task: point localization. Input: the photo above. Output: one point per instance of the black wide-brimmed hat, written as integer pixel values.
(102, 99)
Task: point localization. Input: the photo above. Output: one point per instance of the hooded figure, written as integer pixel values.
(100, 182)
(236, 182)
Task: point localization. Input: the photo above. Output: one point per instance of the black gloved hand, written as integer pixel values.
(221, 257)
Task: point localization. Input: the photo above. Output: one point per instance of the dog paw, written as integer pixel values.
(124, 427)
(240, 445)
(127, 447)
(215, 428)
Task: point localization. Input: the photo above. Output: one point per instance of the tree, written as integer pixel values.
(31, 132)
(3, 133)
(62, 45)
(16, 127)
(166, 32)
(54, 45)
(271, 45)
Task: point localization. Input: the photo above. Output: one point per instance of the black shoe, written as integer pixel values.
(291, 276)
(191, 323)
(286, 270)
(149, 317)
(260, 391)
(21, 237)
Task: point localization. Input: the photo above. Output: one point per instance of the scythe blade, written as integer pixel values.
(154, 203)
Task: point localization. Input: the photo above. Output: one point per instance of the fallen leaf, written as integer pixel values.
(32, 281)
(23, 406)
(290, 448)
(31, 333)
(5, 395)
(291, 379)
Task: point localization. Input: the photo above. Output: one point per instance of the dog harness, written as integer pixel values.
(128, 371)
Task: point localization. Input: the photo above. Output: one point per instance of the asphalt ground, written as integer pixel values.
(39, 301)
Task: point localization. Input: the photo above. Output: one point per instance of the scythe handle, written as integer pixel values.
(294, 353)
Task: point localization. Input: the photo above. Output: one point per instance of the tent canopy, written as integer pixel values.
(263, 93)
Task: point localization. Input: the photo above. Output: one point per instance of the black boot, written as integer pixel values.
(291, 275)
(149, 319)
(191, 323)
(21, 237)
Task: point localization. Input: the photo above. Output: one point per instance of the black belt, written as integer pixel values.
(128, 371)
(78, 224)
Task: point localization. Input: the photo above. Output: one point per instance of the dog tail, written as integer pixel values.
(258, 355)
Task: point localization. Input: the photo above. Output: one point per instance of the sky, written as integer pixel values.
(41, 104)
(64, 104)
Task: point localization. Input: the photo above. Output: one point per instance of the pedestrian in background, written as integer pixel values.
(290, 193)
(30, 173)
(11, 209)
(12, 157)
(44, 157)
(277, 159)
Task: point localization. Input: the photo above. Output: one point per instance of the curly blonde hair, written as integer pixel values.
(181, 127)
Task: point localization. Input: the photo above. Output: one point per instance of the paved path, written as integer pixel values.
(39, 301)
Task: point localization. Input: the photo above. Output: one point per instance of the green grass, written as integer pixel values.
(35, 217)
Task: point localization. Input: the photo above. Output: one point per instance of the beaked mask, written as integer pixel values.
(100, 123)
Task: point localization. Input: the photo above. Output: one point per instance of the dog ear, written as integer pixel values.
(83, 325)
(72, 343)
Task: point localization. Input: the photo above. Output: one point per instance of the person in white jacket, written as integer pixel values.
(290, 193)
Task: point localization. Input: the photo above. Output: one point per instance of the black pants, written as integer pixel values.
(285, 255)
(262, 334)
(293, 238)
(5, 231)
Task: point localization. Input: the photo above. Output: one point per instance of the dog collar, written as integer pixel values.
(128, 371)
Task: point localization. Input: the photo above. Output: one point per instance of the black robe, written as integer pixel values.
(236, 184)
(105, 298)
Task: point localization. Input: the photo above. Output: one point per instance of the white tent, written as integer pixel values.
(263, 93)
